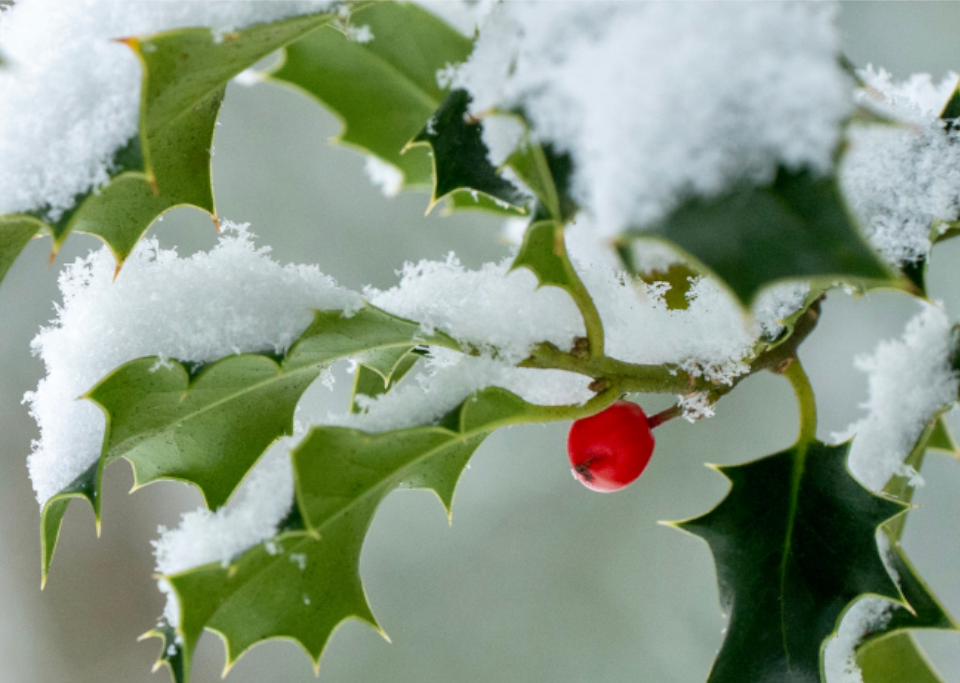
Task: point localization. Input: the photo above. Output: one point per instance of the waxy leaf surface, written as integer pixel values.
(797, 227)
(794, 543)
(383, 91)
(304, 583)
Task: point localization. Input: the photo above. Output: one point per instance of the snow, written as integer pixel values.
(261, 503)
(839, 659)
(89, 87)
(660, 101)
(234, 299)
(463, 15)
(488, 308)
(900, 179)
(449, 377)
(385, 177)
(909, 379)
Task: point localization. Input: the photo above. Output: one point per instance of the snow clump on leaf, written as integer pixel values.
(900, 177)
(234, 299)
(909, 380)
(657, 102)
(88, 88)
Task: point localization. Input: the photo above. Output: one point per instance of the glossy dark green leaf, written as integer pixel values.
(171, 652)
(460, 162)
(794, 543)
(797, 227)
(384, 90)
(925, 611)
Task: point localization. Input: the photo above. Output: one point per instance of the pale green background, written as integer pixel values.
(538, 579)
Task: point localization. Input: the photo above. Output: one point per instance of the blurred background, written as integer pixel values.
(538, 579)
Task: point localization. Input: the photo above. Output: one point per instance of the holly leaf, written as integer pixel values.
(370, 383)
(922, 609)
(305, 583)
(185, 73)
(544, 253)
(548, 174)
(794, 543)
(895, 659)
(15, 233)
(384, 90)
(460, 157)
(208, 425)
(797, 227)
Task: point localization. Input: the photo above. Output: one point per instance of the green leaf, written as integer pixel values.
(370, 383)
(896, 659)
(460, 162)
(924, 611)
(208, 430)
(185, 73)
(382, 91)
(15, 233)
(941, 439)
(86, 486)
(544, 252)
(797, 227)
(794, 543)
(171, 652)
(208, 425)
(548, 174)
(310, 583)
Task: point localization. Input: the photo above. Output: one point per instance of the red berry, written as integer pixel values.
(609, 450)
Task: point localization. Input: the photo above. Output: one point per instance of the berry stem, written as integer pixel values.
(664, 416)
(805, 401)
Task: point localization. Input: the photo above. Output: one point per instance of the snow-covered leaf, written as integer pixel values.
(305, 582)
(185, 73)
(209, 425)
(797, 227)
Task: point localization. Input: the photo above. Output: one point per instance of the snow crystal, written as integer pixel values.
(448, 378)
(234, 299)
(839, 659)
(707, 94)
(776, 303)
(899, 179)
(88, 85)
(709, 338)
(696, 406)
(501, 135)
(385, 177)
(253, 515)
(463, 15)
(489, 308)
(917, 99)
(909, 380)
